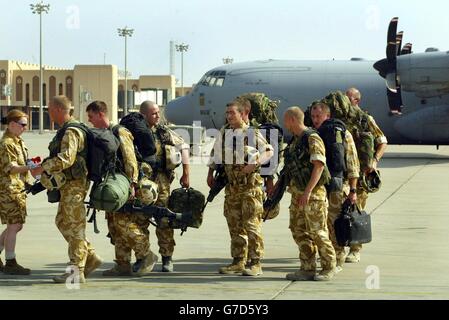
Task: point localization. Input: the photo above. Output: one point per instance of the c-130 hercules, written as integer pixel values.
(412, 107)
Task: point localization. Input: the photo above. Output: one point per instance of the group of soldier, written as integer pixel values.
(68, 156)
(312, 209)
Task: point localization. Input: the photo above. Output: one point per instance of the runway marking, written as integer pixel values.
(281, 291)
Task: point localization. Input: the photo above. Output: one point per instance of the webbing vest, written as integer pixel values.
(297, 160)
(233, 173)
(78, 170)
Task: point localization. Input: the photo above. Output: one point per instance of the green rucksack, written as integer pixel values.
(111, 193)
(263, 109)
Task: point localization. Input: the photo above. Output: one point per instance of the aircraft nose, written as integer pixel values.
(178, 111)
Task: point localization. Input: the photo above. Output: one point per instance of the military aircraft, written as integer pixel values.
(411, 105)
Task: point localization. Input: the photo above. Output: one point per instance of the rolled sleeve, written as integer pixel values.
(316, 149)
(72, 143)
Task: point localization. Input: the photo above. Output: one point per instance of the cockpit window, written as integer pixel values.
(214, 79)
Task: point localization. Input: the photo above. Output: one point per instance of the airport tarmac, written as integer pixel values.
(407, 259)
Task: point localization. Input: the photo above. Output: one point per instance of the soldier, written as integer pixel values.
(380, 147)
(68, 155)
(320, 113)
(14, 176)
(305, 159)
(163, 176)
(128, 231)
(243, 207)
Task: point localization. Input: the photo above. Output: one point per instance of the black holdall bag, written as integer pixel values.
(352, 226)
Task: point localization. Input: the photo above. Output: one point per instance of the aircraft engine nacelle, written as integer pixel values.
(429, 125)
(425, 74)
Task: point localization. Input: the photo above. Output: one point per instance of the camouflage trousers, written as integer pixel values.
(71, 221)
(165, 236)
(243, 209)
(129, 232)
(308, 225)
(362, 197)
(13, 207)
(336, 200)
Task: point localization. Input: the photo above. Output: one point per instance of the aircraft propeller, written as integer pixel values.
(387, 67)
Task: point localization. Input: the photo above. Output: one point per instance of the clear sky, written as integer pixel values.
(84, 31)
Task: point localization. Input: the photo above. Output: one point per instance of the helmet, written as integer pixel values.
(146, 191)
(371, 183)
(173, 157)
(54, 181)
(271, 214)
(146, 169)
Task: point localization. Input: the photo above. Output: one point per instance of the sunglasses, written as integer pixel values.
(22, 124)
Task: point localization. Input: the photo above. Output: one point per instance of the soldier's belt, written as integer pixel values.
(242, 181)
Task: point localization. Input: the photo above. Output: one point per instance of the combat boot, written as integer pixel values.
(145, 265)
(301, 275)
(253, 269)
(121, 269)
(1, 265)
(93, 262)
(353, 257)
(167, 264)
(13, 268)
(237, 266)
(64, 278)
(325, 275)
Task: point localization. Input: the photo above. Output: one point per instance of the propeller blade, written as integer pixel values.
(382, 66)
(394, 102)
(391, 82)
(391, 40)
(399, 37)
(407, 49)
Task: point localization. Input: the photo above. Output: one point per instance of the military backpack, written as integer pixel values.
(332, 132)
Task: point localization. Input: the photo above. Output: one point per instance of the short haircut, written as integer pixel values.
(295, 113)
(354, 92)
(14, 116)
(61, 102)
(322, 107)
(146, 105)
(245, 103)
(236, 103)
(97, 107)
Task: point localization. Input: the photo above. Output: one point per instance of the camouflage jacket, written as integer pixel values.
(13, 152)
(69, 159)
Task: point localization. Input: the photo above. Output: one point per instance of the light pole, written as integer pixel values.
(40, 8)
(125, 32)
(228, 60)
(182, 48)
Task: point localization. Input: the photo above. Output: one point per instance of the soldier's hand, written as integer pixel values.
(37, 171)
(352, 197)
(249, 168)
(270, 187)
(185, 183)
(210, 180)
(132, 190)
(304, 199)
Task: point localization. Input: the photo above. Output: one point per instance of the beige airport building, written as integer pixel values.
(19, 88)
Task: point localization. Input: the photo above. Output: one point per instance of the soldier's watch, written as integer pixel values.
(353, 190)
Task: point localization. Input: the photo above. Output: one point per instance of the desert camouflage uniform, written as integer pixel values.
(71, 216)
(128, 231)
(309, 224)
(337, 198)
(164, 178)
(243, 205)
(362, 196)
(13, 152)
